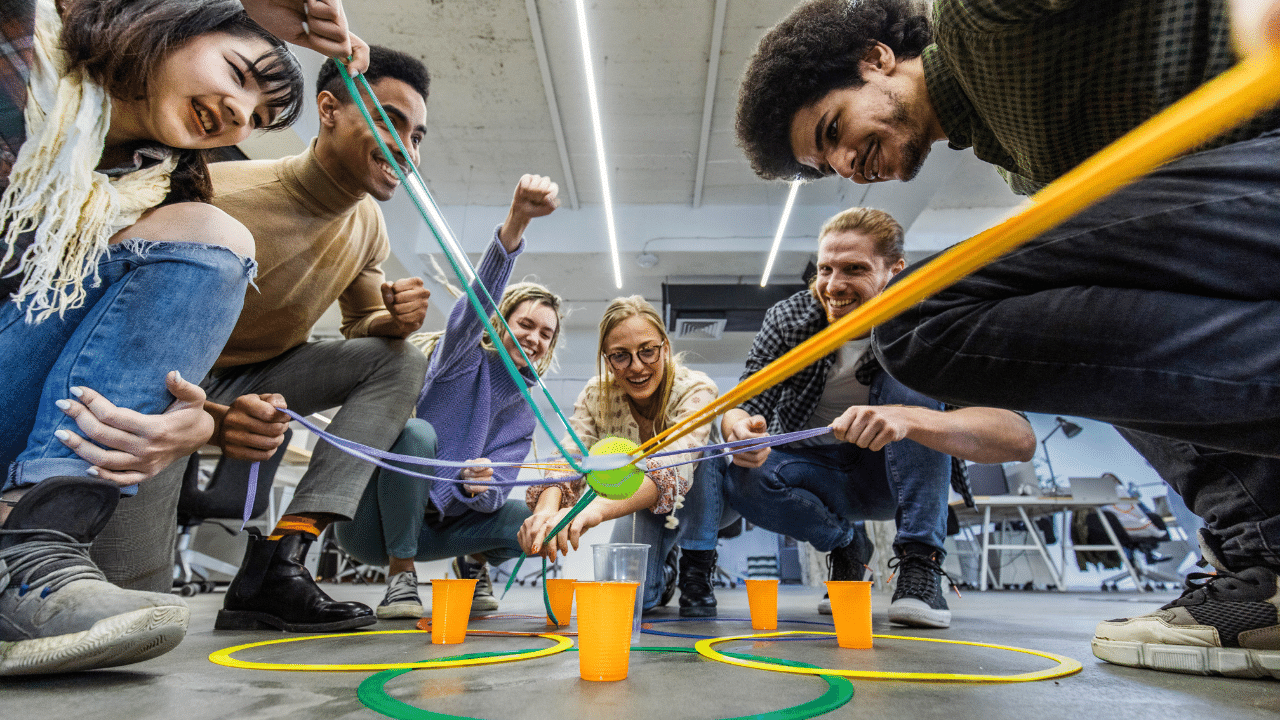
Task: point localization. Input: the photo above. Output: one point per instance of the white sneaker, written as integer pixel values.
(402, 599)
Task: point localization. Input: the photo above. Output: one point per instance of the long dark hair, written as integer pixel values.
(120, 43)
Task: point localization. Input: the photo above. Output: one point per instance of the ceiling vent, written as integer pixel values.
(699, 329)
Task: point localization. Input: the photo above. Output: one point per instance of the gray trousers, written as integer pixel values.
(376, 382)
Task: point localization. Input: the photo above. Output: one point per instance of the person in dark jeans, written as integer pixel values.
(1155, 309)
(886, 459)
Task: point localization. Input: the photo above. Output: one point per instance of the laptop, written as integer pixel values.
(1022, 479)
(1101, 490)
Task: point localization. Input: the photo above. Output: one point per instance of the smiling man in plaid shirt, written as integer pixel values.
(889, 456)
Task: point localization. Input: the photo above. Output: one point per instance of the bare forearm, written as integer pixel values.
(978, 434)
(643, 499)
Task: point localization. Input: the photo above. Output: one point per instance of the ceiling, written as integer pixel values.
(508, 97)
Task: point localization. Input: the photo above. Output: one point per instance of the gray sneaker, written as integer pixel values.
(402, 599)
(483, 601)
(57, 611)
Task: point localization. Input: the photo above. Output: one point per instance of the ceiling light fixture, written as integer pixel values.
(782, 227)
(594, 103)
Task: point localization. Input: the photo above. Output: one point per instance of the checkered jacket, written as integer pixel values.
(788, 405)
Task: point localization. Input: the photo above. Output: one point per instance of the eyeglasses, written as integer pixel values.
(621, 360)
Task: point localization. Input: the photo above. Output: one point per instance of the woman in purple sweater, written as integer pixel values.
(469, 409)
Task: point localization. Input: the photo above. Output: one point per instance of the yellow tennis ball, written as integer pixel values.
(617, 483)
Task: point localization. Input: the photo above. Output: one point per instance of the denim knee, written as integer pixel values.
(417, 439)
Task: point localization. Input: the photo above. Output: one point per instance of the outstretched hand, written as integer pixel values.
(317, 24)
(128, 447)
(533, 533)
(741, 426)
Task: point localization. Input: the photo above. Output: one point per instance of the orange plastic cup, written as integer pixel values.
(560, 591)
(851, 610)
(605, 611)
(762, 598)
(450, 609)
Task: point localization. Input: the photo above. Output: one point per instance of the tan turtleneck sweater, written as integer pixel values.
(316, 243)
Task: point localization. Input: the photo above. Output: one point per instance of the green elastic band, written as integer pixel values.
(507, 362)
(373, 691)
(578, 507)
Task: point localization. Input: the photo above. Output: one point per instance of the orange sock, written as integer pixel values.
(293, 524)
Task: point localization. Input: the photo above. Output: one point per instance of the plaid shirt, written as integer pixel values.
(1037, 86)
(788, 405)
(17, 28)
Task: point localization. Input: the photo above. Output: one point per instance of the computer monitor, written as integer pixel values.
(987, 479)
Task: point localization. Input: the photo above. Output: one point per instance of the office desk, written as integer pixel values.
(998, 508)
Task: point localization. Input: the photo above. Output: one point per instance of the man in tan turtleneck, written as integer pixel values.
(320, 237)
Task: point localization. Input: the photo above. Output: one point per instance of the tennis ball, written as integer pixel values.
(617, 483)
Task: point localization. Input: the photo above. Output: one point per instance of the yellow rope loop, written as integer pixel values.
(1213, 108)
(1066, 666)
(223, 657)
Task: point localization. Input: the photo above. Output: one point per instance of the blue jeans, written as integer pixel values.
(394, 518)
(1155, 310)
(817, 493)
(160, 306)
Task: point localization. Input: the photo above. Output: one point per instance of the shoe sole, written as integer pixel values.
(399, 610)
(484, 604)
(697, 612)
(251, 620)
(118, 640)
(1189, 659)
(920, 617)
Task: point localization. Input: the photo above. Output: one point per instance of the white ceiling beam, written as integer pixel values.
(709, 100)
(540, 47)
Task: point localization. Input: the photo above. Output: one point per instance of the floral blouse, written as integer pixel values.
(691, 391)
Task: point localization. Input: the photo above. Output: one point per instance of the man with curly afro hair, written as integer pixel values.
(1155, 309)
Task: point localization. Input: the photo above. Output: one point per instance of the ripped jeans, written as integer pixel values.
(159, 306)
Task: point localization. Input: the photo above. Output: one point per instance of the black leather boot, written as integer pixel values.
(274, 590)
(697, 567)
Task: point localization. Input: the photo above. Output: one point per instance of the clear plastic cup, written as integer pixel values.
(560, 592)
(604, 629)
(851, 611)
(450, 609)
(762, 598)
(622, 562)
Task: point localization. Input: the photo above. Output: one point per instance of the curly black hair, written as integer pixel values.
(815, 50)
(383, 63)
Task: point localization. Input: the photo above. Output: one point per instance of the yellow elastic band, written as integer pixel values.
(1213, 108)
(1066, 666)
(223, 657)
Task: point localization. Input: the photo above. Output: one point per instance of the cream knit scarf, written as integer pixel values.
(54, 189)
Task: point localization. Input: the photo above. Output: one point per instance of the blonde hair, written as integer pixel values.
(515, 295)
(876, 224)
(622, 309)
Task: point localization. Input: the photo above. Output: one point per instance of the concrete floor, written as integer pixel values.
(184, 684)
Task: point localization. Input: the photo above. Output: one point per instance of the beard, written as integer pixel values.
(916, 147)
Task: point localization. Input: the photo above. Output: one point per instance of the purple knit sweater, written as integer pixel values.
(470, 399)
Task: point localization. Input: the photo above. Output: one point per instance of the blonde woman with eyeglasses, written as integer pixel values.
(641, 389)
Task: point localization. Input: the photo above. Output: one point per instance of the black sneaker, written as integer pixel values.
(1225, 624)
(918, 600)
(848, 562)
